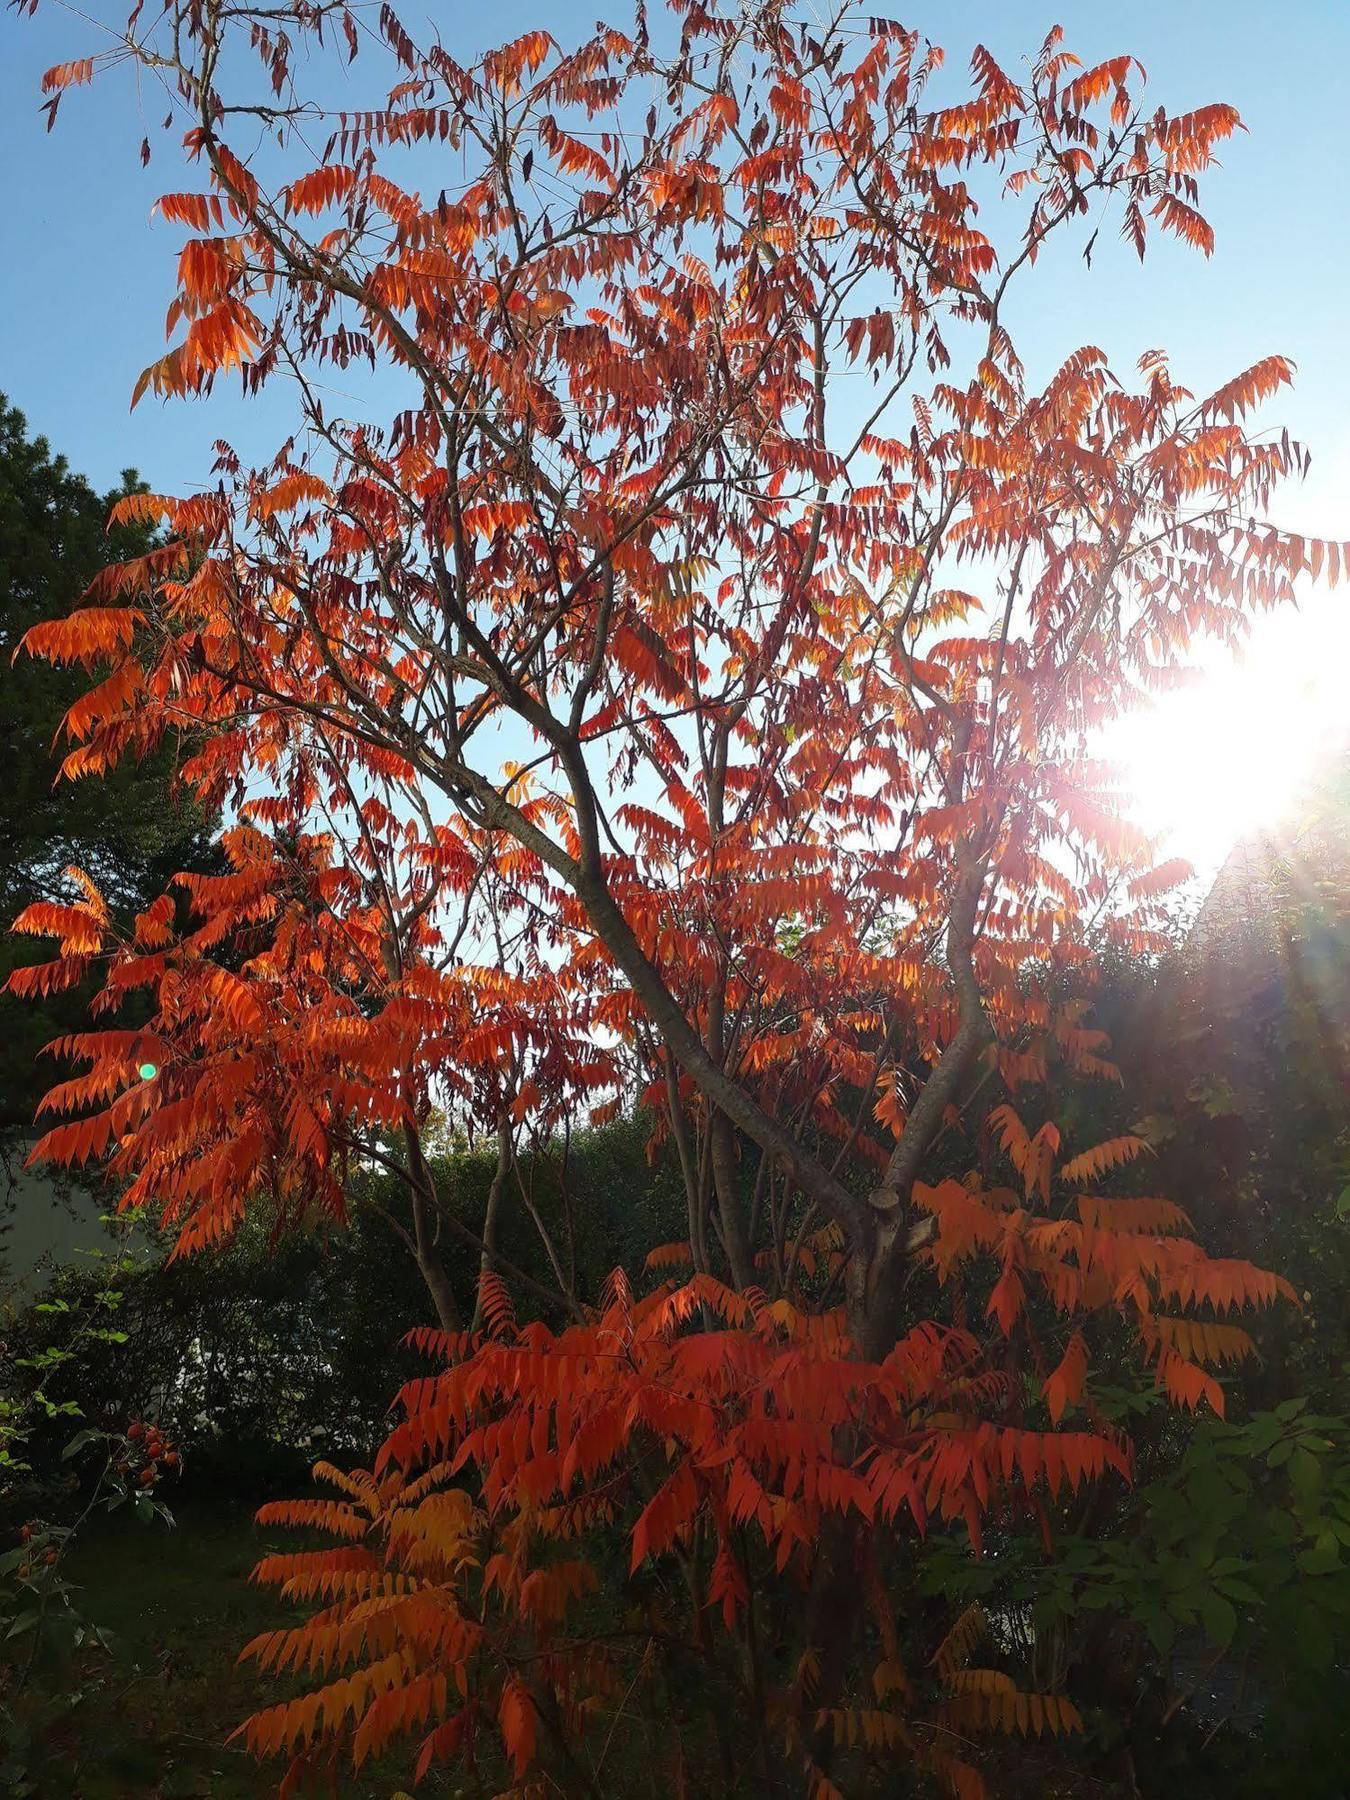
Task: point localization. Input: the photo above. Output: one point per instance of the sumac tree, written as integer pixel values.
(680, 687)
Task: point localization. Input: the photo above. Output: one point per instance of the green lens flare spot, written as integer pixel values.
(148, 1071)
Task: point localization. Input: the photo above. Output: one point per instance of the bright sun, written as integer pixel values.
(1229, 754)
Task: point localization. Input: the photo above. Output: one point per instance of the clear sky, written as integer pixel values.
(85, 276)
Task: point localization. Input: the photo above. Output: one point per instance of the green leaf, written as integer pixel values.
(1239, 1590)
(1219, 1618)
(1305, 1471)
(1161, 1631)
(81, 1441)
(1324, 1558)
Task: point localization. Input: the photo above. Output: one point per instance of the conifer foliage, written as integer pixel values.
(684, 697)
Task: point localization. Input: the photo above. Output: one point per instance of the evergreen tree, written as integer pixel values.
(131, 832)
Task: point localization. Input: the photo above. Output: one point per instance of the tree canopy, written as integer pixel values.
(632, 717)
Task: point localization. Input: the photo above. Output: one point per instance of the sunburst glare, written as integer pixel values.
(1230, 754)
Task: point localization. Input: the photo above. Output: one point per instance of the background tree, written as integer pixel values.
(130, 836)
(613, 719)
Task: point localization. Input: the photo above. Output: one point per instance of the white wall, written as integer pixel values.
(44, 1223)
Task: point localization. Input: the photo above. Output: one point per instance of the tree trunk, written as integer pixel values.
(492, 1211)
(432, 1269)
(730, 1213)
(438, 1286)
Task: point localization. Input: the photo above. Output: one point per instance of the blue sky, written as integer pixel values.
(85, 274)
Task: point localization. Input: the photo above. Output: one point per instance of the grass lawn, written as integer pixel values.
(157, 1712)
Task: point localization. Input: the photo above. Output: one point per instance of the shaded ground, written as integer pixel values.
(156, 1713)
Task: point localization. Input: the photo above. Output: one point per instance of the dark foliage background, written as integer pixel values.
(277, 1351)
(130, 832)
